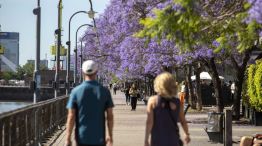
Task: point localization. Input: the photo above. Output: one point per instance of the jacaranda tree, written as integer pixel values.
(193, 23)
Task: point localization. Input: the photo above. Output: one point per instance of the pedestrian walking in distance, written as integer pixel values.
(182, 93)
(87, 106)
(133, 95)
(127, 95)
(163, 113)
(114, 88)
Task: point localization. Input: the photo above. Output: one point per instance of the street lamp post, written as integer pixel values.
(58, 32)
(81, 57)
(68, 43)
(36, 82)
(75, 71)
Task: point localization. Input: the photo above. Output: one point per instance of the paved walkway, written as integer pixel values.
(129, 127)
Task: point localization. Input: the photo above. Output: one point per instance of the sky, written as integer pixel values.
(17, 16)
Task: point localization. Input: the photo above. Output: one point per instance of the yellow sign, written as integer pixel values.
(63, 50)
(53, 50)
(2, 49)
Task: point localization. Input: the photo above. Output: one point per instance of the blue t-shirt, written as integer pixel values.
(90, 100)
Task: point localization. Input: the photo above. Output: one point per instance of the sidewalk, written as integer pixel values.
(129, 127)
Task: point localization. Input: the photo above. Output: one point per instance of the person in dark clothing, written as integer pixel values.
(114, 88)
(163, 113)
(127, 95)
(133, 95)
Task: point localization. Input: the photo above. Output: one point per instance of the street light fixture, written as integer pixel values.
(91, 14)
(75, 71)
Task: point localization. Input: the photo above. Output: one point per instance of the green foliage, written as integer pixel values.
(189, 28)
(8, 75)
(20, 72)
(29, 69)
(248, 36)
(181, 26)
(114, 79)
(26, 70)
(255, 85)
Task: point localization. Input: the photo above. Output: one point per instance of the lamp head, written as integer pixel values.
(91, 14)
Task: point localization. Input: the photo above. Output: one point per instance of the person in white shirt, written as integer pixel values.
(233, 88)
(182, 93)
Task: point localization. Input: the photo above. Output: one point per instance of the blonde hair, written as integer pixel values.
(165, 85)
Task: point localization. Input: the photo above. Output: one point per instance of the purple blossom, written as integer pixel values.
(255, 11)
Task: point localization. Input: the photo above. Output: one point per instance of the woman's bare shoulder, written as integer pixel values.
(152, 100)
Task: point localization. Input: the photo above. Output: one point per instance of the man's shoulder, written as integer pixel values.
(104, 89)
(78, 88)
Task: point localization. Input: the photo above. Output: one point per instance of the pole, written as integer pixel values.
(228, 128)
(75, 69)
(81, 56)
(0, 63)
(81, 63)
(58, 32)
(68, 43)
(36, 82)
(68, 66)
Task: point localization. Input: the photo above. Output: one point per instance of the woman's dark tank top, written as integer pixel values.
(165, 131)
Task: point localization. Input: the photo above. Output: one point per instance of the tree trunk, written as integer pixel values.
(198, 88)
(217, 84)
(239, 82)
(191, 98)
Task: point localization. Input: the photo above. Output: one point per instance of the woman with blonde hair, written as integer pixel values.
(163, 113)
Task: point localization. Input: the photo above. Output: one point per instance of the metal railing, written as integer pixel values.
(31, 124)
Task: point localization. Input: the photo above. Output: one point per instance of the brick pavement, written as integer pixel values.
(130, 126)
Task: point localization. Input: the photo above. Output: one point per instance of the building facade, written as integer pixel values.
(9, 60)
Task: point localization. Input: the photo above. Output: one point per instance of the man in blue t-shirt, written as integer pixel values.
(87, 106)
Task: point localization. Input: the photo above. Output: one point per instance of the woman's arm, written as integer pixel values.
(257, 142)
(131, 91)
(149, 120)
(184, 125)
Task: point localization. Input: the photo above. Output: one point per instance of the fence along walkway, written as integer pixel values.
(129, 127)
(31, 124)
(124, 125)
